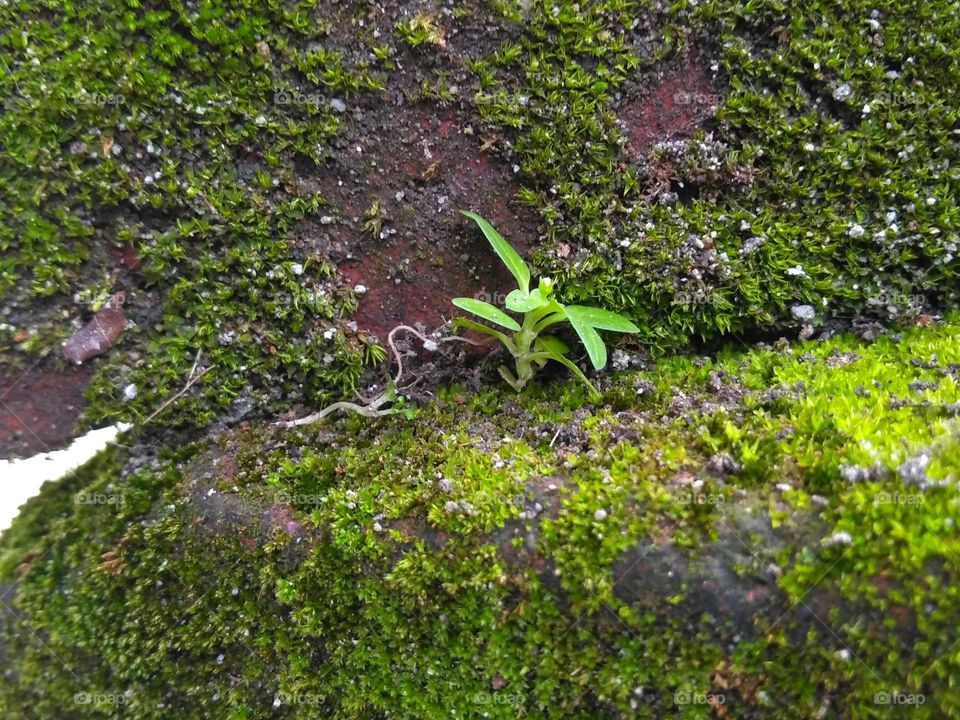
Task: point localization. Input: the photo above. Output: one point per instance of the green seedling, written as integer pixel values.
(528, 345)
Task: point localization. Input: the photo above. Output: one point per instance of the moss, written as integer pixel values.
(790, 197)
(504, 555)
(485, 558)
(171, 136)
(203, 187)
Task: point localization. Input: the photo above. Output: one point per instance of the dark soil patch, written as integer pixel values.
(672, 104)
(38, 409)
(395, 184)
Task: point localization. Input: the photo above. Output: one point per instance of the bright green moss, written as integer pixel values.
(419, 578)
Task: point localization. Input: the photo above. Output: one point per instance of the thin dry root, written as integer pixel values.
(365, 410)
(370, 407)
(192, 378)
(424, 340)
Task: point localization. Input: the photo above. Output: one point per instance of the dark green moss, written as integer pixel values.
(793, 197)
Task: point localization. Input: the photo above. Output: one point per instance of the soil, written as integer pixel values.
(682, 100)
(418, 168)
(39, 407)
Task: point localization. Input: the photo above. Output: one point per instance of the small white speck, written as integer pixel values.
(855, 231)
(359, 289)
(838, 538)
(600, 515)
(842, 92)
(796, 271)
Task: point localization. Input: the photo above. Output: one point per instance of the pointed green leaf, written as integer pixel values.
(591, 339)
(551, 344)
(602, 319)
(462, 322)
(487, 312)
(521, 303)
(515, 264)
(564, 360)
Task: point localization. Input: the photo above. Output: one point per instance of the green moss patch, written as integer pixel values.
(768, 533)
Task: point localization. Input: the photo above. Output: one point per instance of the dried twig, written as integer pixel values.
(192, 378)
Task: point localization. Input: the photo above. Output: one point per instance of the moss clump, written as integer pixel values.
(171, 137)
(526, 555)
(822, 177)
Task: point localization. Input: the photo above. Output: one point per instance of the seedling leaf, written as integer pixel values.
(591, 339)
(487, 312)
(521, 303)
(602, 319)
(551, 344)
(515, 264)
